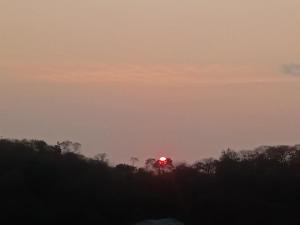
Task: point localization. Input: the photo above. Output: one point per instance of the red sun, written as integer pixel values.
(162, 159)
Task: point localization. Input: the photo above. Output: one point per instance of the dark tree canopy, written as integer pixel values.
(44, 184)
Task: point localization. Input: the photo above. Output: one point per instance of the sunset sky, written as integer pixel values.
(184, 79)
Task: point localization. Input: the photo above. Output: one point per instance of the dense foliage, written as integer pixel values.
(42, 184)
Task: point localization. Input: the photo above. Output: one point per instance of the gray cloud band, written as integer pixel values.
(291, 69)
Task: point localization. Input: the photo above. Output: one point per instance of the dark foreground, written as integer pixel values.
(48, 185)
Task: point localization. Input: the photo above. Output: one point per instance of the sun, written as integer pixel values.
(162, 159)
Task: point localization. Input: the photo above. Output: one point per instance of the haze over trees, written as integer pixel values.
(45, 184)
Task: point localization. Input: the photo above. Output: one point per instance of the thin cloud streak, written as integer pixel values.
(182, 74)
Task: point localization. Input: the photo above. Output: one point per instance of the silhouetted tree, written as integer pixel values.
(149, 164)
(133, 160)
(207, 166)
(45, 184)
(164, 166)
(101, 157)
(69, 146)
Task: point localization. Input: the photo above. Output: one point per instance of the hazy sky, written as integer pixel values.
(144, 78)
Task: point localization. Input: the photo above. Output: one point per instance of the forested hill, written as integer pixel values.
(46, 185)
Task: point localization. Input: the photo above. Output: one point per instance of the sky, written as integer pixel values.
(183, 79)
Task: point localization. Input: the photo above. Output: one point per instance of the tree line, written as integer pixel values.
(55, 184)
